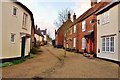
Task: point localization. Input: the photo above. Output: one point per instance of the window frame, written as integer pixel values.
(14, 8)
(75, 28)
(24, 22)
(105, 17)
(12, 34)
(109, 42)
(83, 43)
(83, 26)
(74, 42)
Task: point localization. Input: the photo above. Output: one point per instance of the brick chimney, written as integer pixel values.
(69, 15)
(55, 32)
(74, 17)
(93, 3)
(36, 27)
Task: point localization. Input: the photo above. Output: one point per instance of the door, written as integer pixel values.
(23, 47)
(90, 46)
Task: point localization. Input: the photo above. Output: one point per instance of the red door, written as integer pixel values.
(91, 45)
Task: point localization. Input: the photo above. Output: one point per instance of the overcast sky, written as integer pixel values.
(46, 11)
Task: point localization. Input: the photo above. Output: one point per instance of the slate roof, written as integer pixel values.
(106, 8)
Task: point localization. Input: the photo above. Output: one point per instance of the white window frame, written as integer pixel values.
(105, 18)
(83, 43)
(74, 43)
(75, 28)
(83, 26)
(24, 22)
(13, 11)
(109, 46)
(12, 41)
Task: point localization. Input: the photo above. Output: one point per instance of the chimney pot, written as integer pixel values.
(93, 3)
(74, 17)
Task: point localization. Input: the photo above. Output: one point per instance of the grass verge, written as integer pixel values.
(6, 64)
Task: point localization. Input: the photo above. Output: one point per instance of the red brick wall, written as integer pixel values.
(81, 34)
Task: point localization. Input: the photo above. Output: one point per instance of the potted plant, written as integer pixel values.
(85, 52)
(91, 55)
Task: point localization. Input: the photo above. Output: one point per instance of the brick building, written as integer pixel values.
(59, 34)
(86, 29)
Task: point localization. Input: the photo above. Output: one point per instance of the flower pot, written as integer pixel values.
(91, 56)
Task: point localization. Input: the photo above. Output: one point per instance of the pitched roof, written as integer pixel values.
(90, 12)
(38, 32)
(43, 31)
(112, 4)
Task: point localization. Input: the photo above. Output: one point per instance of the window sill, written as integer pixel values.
(83, 48)
(12, 42)
(107, 52)
(105, 23)
(14, 16)
(24, 28)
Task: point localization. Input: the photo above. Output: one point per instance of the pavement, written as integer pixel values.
(51, 64)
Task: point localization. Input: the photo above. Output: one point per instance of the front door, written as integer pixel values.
(90, 45)
(23, 47)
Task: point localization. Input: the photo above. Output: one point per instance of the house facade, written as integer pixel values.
(84, 30)
(44, 33)
(32, 42)
(39, 37)
(71, 34)
(108, 32)
(60, 34)
(17, 21)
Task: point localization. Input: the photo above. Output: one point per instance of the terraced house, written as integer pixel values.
(108, 31)
(17, 22)
(84, 30)
(60, 33)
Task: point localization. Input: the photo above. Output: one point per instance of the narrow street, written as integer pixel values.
(50, 64)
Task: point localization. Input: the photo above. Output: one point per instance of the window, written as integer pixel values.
(83, 43)
(83, 26)
(14, 13)
(24, 19)
(74, 28)
(12, 37)
(105, 17)
(103, 44)
(74, 43)
(108, 44)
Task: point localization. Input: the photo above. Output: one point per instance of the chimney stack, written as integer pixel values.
(36, 27)
(74, 17)
(93, 3)
(69, 15)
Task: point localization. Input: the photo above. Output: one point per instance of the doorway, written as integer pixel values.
(23, 47)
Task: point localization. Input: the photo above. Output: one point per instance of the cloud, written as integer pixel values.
(46, 11)
(81, 7)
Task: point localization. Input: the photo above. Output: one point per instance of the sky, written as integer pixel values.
(46, 11)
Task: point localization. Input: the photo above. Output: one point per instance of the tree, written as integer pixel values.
(62, 16)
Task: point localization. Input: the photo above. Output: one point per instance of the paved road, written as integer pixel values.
(51, 64)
